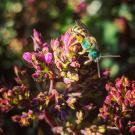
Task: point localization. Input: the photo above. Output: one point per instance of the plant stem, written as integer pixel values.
(48, 120)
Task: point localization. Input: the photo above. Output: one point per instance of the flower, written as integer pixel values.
(75, 64)
(25, 118)
(58, 129)
(62, 85)
(48, 58)
(81, 7)
(55, 43)
(36, 75)
(27, 56)
(71, 101)
(66, 40)
(132, 129)
(79, 116)
(119, 104)
(37, 39)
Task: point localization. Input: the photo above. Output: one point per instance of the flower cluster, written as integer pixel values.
(24, 119)
(66, 57)
(11, 98)
(41, 58)
(71, 86)
(62, 52)
(118, 107)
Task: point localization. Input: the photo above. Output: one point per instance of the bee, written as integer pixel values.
(88, 43)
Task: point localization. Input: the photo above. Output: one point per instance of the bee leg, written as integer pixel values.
(83, 52)
(98, 67)
(88, 61)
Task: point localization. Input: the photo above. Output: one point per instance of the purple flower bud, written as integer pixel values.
(66, 39)
(45, 48)
(75, 64)
(118, 83)
(68, 45)
(48, 58)
(55, 43)
(108, 99)
(40, 57)
(27, 57)
(108, 86)
(37, 35)
(37, 39)
(106, 73)
(35, 75)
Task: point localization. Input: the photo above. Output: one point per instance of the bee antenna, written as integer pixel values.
(109, 56)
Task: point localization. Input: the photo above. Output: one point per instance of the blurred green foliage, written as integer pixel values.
(111, 22)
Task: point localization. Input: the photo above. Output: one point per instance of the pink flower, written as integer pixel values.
(66, 40)
(27, 57)
(81, 7)
(57, 129)
(118, 83)
(48, 58)
(67, 81)
(75, 64)
(70, 43)
(35, 75)
(132, 129)
(55, 43)
(38, 40)
(106, 73)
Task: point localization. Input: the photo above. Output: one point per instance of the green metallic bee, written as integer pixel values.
(88, 43)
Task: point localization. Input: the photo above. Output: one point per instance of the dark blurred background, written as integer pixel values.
(112, 22)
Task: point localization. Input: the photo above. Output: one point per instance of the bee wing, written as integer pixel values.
(83, 27)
